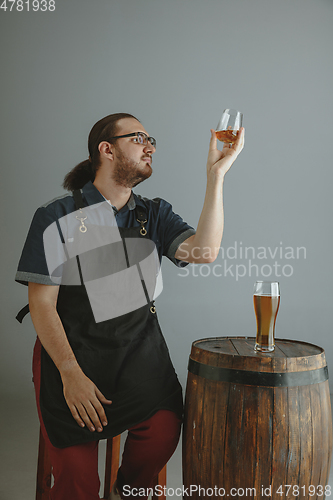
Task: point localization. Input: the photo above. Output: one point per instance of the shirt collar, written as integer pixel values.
(92, 196)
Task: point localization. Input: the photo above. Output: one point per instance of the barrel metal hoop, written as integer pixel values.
(263, 379)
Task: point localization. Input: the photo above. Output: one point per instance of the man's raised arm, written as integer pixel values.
(205, 244)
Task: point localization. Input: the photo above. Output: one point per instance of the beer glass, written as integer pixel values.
(229, 125)
(266, 298)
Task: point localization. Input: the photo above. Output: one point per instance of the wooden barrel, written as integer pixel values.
(256, 421)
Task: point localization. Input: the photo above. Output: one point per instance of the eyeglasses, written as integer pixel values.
(141, 138)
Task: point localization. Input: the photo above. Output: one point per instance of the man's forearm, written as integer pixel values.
(49, 328)
(53, 338)
(205, 244)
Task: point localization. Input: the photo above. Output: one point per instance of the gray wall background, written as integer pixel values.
(176, 65)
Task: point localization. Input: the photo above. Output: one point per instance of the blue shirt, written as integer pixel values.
(167, 229)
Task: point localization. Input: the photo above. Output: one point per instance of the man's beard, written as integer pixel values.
(128, 173)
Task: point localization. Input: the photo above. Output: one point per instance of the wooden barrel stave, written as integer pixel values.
(280, 437)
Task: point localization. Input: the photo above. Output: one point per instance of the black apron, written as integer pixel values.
(126, 357)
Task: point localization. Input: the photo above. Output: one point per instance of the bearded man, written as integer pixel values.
(97, 378)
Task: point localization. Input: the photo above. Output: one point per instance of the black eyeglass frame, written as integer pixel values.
(149, 139)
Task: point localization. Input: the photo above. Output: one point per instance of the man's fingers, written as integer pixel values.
(99, 407)
(102, 398)
(238, 145)
(85, 400)
(89, 416)
(76, 416)
(240, 138)
(85, 417)
(213, 139)
(96, 414)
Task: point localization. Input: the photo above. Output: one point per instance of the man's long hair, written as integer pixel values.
(85, 171)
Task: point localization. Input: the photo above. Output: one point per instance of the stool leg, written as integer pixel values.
(44, 468)
(160, 480)
(111, 464)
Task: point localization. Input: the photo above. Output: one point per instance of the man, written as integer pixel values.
(95, 379)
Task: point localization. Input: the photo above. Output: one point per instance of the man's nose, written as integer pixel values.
(149, 148)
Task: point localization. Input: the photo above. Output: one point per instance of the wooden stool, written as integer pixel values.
(44, 469)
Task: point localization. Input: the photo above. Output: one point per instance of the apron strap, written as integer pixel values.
(22, 313)
(77, 195)
(141, 216)
(141, 213)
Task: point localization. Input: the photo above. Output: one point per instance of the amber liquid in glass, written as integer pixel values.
(266, 308)
(229, 136)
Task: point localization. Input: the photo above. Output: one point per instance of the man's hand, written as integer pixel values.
(84, 399)
(219, 162)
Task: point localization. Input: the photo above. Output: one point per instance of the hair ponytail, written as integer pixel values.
(79, 176)
(85, 171)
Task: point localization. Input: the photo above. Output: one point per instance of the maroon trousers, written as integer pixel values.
(148, 447)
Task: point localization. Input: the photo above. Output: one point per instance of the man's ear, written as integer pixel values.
(105, 149)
